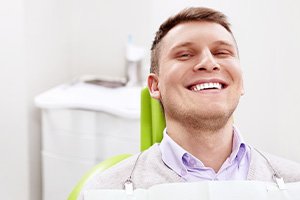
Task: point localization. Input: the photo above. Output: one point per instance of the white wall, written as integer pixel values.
(13, 140)
(99, 34)
(47, 50)
(270, 44)
(34, 57)
(44, 43)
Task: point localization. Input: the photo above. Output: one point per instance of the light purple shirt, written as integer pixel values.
(191, 169)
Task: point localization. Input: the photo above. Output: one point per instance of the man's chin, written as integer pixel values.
(208, 119)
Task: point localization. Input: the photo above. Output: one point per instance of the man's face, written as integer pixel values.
(199, 73)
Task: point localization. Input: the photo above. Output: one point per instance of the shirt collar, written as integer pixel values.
(238, 146)
(174, 156)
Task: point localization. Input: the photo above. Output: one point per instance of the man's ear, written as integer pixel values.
(153, 86)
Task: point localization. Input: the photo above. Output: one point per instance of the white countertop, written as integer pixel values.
(121, 101)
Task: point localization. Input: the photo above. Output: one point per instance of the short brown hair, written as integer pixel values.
(186, 15)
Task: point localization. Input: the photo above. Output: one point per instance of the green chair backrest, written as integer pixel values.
(152, 123)
(96, 169)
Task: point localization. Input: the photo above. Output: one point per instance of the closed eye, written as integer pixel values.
(184, 56)
(222, 53)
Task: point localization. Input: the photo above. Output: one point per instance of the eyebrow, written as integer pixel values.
(180, 45)
(223, 43)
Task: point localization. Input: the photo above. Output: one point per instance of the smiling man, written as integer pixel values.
(197, 77)
(198, 80)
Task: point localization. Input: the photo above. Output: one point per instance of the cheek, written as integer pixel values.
(238, 78)
(171, 75)
(234, 69)
(167, 84)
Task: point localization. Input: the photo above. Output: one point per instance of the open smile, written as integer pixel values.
(207, 85)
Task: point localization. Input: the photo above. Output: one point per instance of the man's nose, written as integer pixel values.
(207, 62)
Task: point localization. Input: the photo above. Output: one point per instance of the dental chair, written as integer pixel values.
(152, 124)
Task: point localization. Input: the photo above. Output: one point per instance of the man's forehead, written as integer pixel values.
(188, 33)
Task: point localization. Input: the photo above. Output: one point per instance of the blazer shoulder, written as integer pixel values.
(115, 176)
(287, 169)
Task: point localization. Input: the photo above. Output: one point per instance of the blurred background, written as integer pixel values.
(47, 43)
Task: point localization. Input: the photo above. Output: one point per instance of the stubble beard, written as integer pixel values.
(200, 121)
(206, 122)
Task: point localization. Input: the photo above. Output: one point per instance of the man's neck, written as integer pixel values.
(212, 147)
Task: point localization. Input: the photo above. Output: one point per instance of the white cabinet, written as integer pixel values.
(79, 134)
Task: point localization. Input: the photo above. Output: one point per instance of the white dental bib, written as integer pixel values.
(204, 190)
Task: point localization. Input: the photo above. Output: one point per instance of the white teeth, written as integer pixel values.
(203, 86)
